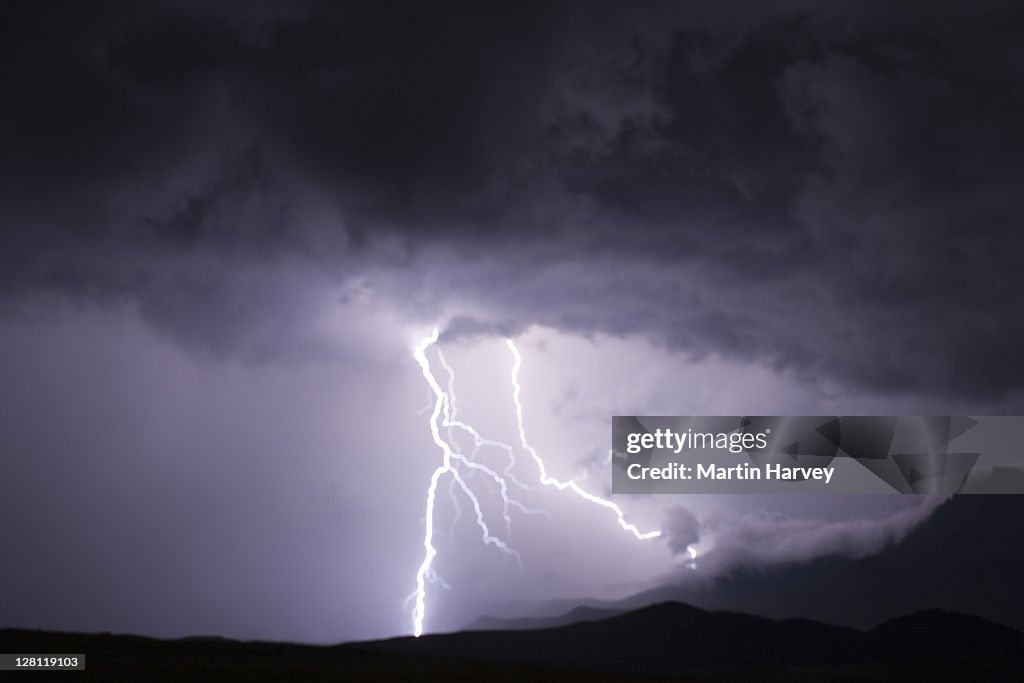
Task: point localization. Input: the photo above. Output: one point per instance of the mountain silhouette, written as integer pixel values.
(967, 557)
(573, 616)
(676, 639)
(657, 642)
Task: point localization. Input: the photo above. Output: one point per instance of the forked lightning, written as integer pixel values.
(443, 415)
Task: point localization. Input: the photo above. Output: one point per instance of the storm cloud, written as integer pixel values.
(825, 189)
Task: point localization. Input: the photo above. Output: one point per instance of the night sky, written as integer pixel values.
(224, 228)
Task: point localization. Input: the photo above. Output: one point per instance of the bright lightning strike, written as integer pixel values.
(446, 466)
(547, 480)
(444, 408)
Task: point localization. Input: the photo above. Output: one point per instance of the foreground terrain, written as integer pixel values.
(668, 641)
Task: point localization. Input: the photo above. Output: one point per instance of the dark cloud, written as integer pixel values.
(762, 537)
(826, 188)
(681, 529)
(468, 328)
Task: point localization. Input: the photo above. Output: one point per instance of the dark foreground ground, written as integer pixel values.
(668, 641)
(129, 658)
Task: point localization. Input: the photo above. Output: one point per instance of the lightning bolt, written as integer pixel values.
(425, 570)
(548, 480)
(443, 414)
(444, 406)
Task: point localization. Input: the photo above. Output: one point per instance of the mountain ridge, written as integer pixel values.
(968, 557)
(664, 639)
